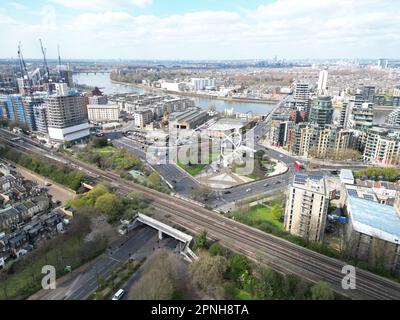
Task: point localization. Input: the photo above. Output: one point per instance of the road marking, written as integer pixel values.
(114, 259)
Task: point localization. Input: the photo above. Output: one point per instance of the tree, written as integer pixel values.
(277, 211)
(207, 274)
(238, 265)
(216, 249)
(201, 242)
(164, 275)
(98, 142)
(322, 291)
(111, 205)
(155, 179)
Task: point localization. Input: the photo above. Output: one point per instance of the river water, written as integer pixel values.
(104, 83)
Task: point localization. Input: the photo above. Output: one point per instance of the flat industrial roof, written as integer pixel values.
(228, 124)
(346, 174)
(374, 219)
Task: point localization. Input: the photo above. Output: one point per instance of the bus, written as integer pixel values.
(297, 165)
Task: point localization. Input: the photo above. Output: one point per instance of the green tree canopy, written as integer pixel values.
(322, 291)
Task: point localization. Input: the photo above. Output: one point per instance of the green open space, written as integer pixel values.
(195, 168)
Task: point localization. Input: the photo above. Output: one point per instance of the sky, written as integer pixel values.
(201, 29)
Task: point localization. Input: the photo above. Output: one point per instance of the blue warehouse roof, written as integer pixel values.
(374, 219)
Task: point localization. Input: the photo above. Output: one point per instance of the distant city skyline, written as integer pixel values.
(201, 30)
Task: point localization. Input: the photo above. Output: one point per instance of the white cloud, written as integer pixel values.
(100, 5)
(289, 28)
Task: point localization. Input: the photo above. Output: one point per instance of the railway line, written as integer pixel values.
(275, 252)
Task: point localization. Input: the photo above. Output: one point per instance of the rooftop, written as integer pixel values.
(228, 124)
(102, 106)
(374, 219)
(313, 183)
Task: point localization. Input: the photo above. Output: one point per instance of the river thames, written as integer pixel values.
(102, 80)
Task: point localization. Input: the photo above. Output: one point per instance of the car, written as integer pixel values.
(266, 185)
(227, 192)
(278, 182)
(118, 295)
(47, 184)
(248, 190)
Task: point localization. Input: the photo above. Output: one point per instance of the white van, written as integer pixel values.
(118, 295)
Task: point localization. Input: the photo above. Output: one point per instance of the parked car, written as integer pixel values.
(248, 190)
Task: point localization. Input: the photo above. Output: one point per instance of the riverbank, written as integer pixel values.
(197, 95)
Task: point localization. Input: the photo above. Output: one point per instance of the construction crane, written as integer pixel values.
(22, 64)
(46, 67)
(24, 71)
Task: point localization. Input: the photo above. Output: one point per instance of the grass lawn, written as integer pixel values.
(193, 169)
(29, 279)
(260, 212)
(105, 150)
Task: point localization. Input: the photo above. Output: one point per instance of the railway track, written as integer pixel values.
(275, 252)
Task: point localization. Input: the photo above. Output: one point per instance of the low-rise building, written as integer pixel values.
(103, 113)
(373, 232)
(346, 176)
(225, 127)
(189, 119)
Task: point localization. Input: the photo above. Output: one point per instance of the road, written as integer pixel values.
(57, 191)
(80, 286)
(272, 251)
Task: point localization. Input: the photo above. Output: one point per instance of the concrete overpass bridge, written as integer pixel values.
(183, 238)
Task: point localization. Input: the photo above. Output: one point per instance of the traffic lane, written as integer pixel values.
(121, 253)
(255, 188)
(86, 282)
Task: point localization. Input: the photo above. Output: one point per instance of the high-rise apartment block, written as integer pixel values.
(322, 82)
(321, 111)
(382, 146)
(65, 117)
(306, 207)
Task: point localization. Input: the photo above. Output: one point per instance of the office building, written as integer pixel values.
(383, 63)
(103, 113)
(65, 117)
(306, 207)
(321, 111)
